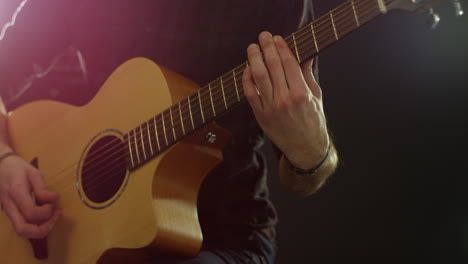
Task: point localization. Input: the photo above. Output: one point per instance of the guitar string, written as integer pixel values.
(176, 124)
(180, 119)
(216, 87)
(123, 168)
(299, 39)
(145, 137)
(205, 91)
(234, 95)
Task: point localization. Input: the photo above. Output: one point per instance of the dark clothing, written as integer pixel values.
(198, 39)
(261, 252)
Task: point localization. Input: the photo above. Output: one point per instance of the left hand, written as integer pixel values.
(286, 101)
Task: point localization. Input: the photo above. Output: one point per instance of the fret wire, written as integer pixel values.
(164, 128)
(181, 120)
(131, 151)
(382, 6)
(231, 91)
(236, 79)
(345, 21)
(156, 132)
(368, 17)
(235, 84)
(142, 142)
(205, 101)
(355, 14)
(222, 89)
(340, 19)
(136, 147)
(313, 35)
(201, 107)
(326, 41)
(135, 132)
(155, 129)
(322, 20)
(314, 30)
(328, 28)
(149, 137)
(172, 123)
(211, 98)
(318, 37)
(372, 16)
(190, 109)
(333, 24)
(344, 13)
(295, 47)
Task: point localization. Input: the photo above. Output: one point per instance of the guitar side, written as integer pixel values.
(155, 206)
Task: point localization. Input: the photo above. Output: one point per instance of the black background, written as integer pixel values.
(395, 96)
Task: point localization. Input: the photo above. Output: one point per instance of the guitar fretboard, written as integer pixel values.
(168, 127)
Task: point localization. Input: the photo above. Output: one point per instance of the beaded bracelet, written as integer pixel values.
(303, 172)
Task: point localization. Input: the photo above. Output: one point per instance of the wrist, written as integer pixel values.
(4, 148)
(301, 170)
(5, 151)
(6, 154)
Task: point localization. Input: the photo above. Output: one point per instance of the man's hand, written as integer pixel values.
(22, 188)
(286, 101)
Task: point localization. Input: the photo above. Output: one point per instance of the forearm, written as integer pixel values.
(308, 184)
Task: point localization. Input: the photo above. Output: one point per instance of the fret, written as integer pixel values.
(345, 19)
(136, 147)
(190, 110)
(142, 142)
(201, 107)
(355, 14)
(382, 6)
(164, 128)
(156, 132)
(181, 120)
(368, 11)
(222, 89)
(295, 48)
(172, 123)
(333, 25)
(149, 137)
(235, 84)
(313, 36)
(211, 98)
(324, 31)
(131, 151)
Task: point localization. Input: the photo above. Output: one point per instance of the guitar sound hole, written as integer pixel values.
(104, 169)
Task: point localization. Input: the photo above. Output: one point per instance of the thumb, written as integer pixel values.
(40, 190)
(308, 72)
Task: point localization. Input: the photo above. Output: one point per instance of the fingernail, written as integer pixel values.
(265, 35)
(276, 38)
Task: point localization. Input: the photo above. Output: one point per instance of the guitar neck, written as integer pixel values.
(226, 92)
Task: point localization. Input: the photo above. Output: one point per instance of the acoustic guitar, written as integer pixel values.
(129, 164)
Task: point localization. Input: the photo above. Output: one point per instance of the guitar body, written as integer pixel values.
(154, 206)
